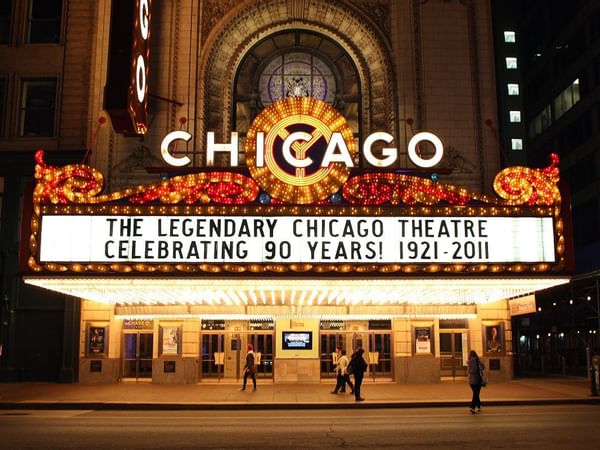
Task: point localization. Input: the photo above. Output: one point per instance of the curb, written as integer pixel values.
(114, 406)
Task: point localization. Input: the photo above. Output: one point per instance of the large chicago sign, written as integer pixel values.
(301, 142)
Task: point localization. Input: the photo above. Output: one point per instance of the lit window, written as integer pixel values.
(515, 116)
(5, 7)
(44, 21)
(38, 99)
(516, 144)
(513, 89)
(509, 36)
(511, 62)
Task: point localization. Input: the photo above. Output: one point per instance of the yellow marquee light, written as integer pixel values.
(272, 317)
(240, 292)
(274, 122)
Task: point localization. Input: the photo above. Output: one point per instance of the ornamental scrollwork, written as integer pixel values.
(523, 185)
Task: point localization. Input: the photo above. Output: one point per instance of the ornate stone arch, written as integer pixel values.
(252, 21)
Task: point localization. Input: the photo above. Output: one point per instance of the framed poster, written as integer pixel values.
(493, 339)
(96, 340)
(423, 340)
(169, 337)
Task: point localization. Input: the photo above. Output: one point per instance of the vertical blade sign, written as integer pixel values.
(126, 90)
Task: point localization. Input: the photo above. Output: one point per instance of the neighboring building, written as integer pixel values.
(556, 51)
(214, 66)
(45, 79)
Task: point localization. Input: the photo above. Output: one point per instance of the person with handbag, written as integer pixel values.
(343, 377)
(249, 368)
(476, 380)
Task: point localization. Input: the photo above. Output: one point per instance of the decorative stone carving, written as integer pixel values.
(339, 20)
(457, 162)
(214, 10)
(379, 12)
(135, 163)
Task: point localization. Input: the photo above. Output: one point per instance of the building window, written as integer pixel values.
(509, 37)
(38, 100)
(515, 116)
(296, 74)
(513, 89)
(5, 9)
(516, 144)
(511, 62)
(296, 63)
(44, 21)
(540, 122)
(566, 99)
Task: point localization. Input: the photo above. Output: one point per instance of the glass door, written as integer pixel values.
(452, 348)
(263, 349)
(328, 344)
(137, 355)
(379, 355)
(212, 355)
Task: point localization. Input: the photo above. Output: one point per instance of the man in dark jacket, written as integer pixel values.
(358, 366)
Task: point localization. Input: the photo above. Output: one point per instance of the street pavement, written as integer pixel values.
(226, 395)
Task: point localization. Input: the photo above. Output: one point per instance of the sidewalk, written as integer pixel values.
(129, 395)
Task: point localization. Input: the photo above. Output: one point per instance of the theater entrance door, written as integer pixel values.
(137, 354)
(453, 348)
(223, 354)
(328, 343)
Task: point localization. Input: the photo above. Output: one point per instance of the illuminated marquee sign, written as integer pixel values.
(301, 149)
(301, 205)
(126, 92)
(296, 239)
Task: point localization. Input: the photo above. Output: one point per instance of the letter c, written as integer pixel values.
(166, 143)
(287, 154)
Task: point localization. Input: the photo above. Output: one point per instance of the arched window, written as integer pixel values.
(295, 63)
(296, 74)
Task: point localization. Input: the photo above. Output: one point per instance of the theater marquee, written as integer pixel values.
(293, 239)
(300, 217)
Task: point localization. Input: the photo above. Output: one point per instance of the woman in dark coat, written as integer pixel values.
(475, 370)
(250, 368)
(358, 366)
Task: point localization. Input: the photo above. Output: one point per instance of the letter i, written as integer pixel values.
(260, 149)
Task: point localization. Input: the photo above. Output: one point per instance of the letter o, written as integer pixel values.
(425, 136)
(140, 78)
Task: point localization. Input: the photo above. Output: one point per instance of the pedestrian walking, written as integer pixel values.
(357, 367)
(343, 377)
(336, 358)
(476, 380)
(249, 368)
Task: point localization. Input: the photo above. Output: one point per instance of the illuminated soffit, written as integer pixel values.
(237, 292)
